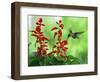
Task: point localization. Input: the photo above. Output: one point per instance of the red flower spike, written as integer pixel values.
(54, 28)
(60, 44)
(40, 38)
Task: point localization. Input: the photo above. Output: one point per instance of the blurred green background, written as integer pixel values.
(77, 48)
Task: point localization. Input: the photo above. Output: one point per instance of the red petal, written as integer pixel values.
(40, 20)
(54, 28)
(38, 28)
(44, 38)
(40, 34)
(62, 26)
(64, 49)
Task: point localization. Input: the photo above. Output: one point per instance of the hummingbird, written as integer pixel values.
(74, 35)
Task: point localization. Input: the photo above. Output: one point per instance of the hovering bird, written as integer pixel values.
(74, 35)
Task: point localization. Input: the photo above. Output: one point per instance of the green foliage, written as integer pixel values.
(45, 61)
(72, 60)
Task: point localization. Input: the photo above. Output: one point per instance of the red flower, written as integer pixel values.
(60, 44)
(60, 24)
(40, 22)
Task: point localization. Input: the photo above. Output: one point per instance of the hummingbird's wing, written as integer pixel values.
(78, 33)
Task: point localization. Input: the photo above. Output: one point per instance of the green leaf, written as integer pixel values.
(72, 60)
